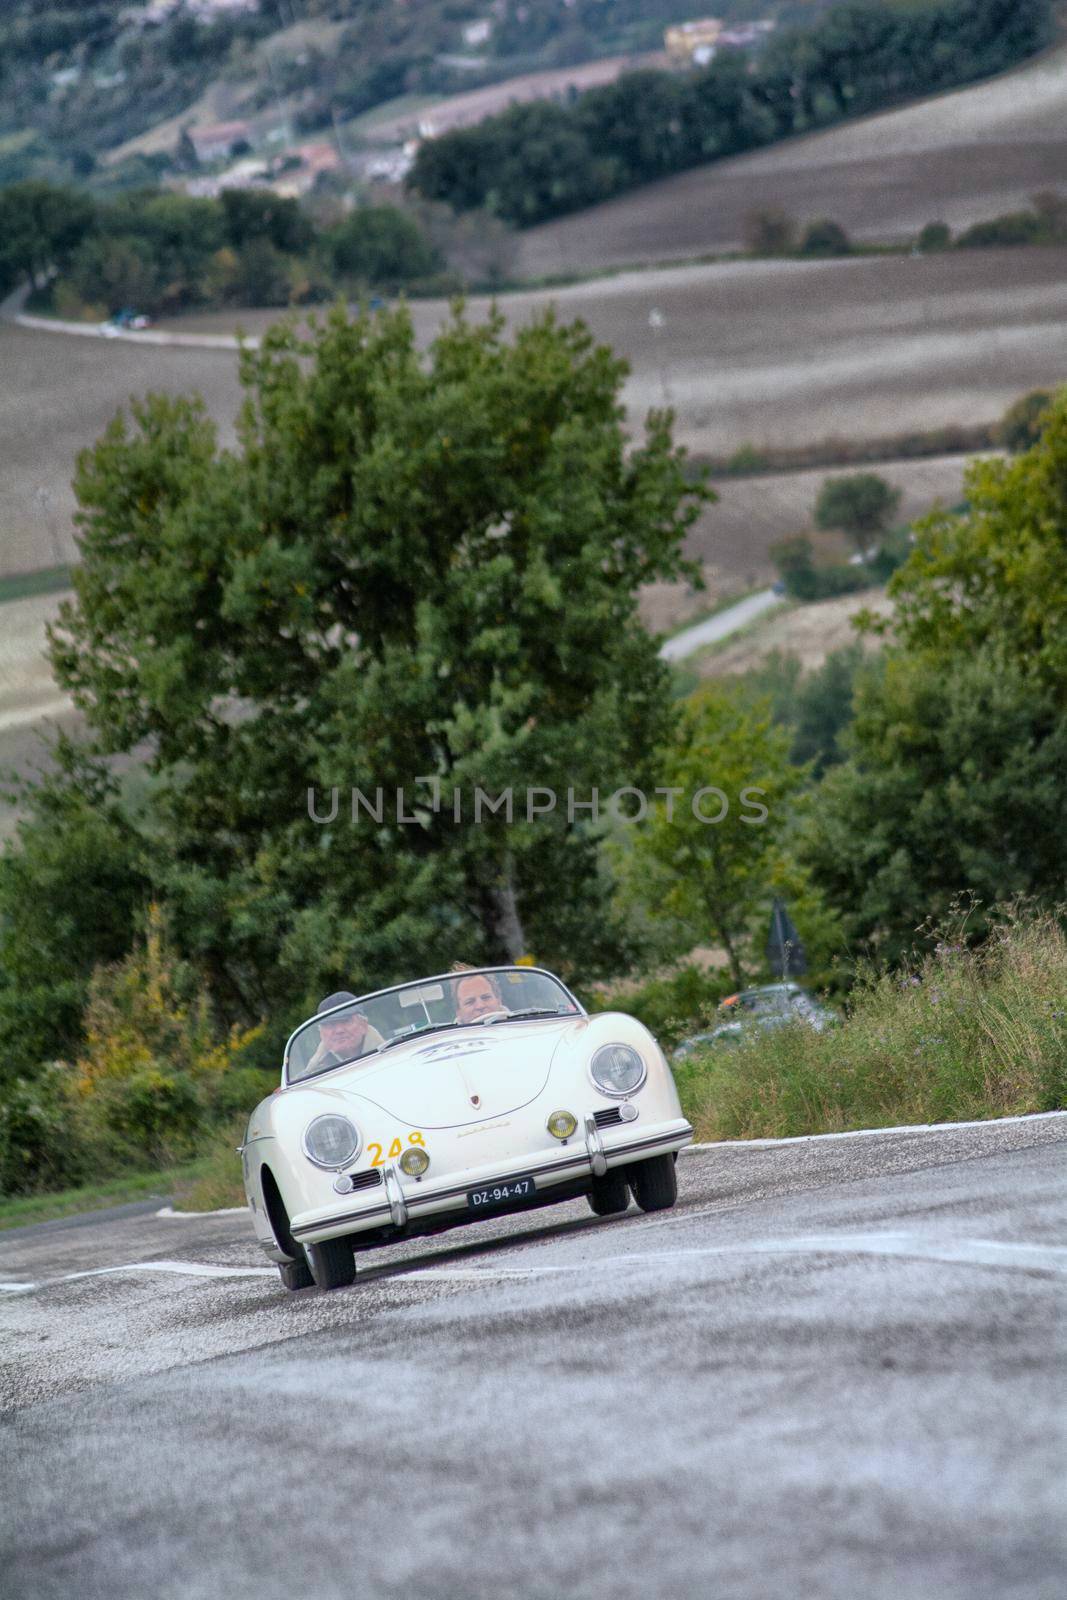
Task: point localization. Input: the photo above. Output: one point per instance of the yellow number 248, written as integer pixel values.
(395, 1149)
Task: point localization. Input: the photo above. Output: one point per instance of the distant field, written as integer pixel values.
(56, 395)
(959, 157)
(765, 352)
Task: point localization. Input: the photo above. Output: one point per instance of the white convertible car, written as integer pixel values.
(436, 1103)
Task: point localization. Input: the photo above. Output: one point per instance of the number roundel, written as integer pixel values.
(374, 1150)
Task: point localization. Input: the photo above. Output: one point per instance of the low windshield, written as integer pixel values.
(364, 1028)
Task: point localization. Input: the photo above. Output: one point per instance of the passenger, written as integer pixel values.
(345, 1037)
(477, 996)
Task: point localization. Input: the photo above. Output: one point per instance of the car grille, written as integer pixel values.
(608, 1117)
(366, 1180)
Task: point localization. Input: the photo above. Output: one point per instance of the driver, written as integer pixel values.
(476, 996)
(344, 1037)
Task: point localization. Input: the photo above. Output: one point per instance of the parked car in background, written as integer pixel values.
(125, 321)
(771, 1005)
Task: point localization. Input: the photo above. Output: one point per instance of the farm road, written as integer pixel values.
(834, 1370)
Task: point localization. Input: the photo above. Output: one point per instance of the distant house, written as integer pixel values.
(695, 41)
(745, 34)
(216, 140)
(156, 12)
(477, 33)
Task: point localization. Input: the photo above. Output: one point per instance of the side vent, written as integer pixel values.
(608, 1117)
(366, 1180)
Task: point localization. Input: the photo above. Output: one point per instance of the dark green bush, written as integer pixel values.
(824, 238)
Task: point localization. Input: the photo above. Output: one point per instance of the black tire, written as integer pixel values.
(332, 1263)
(295, 1274)
(654, 1183)
(610, 1194)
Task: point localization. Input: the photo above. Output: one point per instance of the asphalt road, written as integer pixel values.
(834, 1370)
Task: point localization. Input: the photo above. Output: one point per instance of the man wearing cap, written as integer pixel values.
(344, 1037)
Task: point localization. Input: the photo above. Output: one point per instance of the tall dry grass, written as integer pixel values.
(964, 1035)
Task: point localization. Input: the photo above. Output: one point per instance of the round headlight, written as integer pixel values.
(414, 1161)
(561, 1124)
(331, 1141)
(617, 1069)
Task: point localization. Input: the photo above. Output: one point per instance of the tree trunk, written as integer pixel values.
(501, 916)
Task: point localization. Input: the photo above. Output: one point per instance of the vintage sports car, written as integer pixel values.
(437, 1103)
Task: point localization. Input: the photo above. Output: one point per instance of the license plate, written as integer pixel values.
(500, 1194)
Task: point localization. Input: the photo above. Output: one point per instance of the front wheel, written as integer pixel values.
(332, 1263)
(610, 1194)
(654, 1183)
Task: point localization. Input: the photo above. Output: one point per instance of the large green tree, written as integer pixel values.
(958, 751)
(412, 567)
(714, 849)
(996, 577)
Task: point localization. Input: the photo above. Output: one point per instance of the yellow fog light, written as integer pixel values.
(414, 1162)
(561, 1124)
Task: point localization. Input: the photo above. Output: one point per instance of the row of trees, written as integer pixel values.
(420, 573)
(540, 160)
(162, 252)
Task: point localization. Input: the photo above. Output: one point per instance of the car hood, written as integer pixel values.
(449, 1079)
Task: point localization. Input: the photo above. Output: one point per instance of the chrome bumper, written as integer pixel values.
(402, 1204)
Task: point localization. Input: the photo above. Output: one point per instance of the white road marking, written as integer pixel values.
(870, 1133)
(223, 1211)
(187, 1269)
(963, 1252)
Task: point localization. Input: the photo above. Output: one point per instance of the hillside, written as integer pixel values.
(960, 157)
(82, 87)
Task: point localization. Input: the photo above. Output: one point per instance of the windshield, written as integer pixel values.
(366, 1027)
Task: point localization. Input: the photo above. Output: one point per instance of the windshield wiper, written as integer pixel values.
(416, 1033)
(534, 1011)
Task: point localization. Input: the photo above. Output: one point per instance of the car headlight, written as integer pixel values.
(331, 1141)
(617, 1069)
(414, 1161)
(561, 1124)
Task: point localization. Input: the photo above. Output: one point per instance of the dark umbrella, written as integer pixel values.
(785, 953)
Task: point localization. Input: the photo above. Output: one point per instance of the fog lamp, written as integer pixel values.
(414, 1162)
(561, 1124)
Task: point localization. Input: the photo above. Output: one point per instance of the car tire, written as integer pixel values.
(332, 1263)
(295, 1274)
(654, 1183)
(610, 1194)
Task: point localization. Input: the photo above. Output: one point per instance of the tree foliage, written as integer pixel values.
(958, 750)
(409, 568)
(995, 578)
(954, 785)
(715, 878)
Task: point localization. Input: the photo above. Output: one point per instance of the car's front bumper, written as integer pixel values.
(401, 1203)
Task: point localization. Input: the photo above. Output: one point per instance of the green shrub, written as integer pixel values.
(935, 236)
(803, 580)
(1020, 426)
(1015, 227)
(964, 1035)
(671, 1007)
(824, 238)
(36, 1148)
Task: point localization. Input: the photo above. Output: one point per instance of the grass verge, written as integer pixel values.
(162, 1184)
(963, 1036)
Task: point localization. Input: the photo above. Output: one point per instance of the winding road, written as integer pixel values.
(834, 1370)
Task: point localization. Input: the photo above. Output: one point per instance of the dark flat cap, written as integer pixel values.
(333, 1000)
